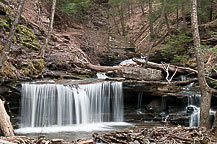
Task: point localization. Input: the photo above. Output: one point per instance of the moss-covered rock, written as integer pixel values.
(26, 38)
(8, 71)
(3, 10)
(4, 24)
(32, 67)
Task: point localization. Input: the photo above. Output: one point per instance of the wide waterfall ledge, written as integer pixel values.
(71, 107)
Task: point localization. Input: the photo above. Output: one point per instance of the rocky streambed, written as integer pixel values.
(147, 104)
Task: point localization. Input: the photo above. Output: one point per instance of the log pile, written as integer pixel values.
(160, 135)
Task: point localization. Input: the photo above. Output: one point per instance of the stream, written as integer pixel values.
(75, 109)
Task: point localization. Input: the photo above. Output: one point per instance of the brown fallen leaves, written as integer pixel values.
(155, 135)
(159, 135)
(27, 140)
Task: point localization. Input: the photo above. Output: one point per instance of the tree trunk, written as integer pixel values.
(50, 29)
(162, 16)
(210, 10)
(5, 124)
(167, 22)
(154, 39)
(151, 20)
(141, 5)
(122, 19)
(177, 17)
(11, 34)
(116, 24)
(100, 68)
(128, 8)
(183, 15)
(143, 30)
(205, 92)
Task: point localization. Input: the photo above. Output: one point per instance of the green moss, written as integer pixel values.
(26, 38)
(32, 67)
(9, 71)
(25, 71)
(73, 7)
(4, 24)
(176, 49)
(5, 20)
(37, 66)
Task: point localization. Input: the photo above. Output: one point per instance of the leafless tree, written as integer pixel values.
(8, 43)
(204, 88)
(50, 29)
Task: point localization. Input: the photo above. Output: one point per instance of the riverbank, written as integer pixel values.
(160, 134)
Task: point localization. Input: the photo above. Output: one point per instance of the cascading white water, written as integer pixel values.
(194, 99)
(56, 104)
(195, 116)
(101, 76)
(139, 107)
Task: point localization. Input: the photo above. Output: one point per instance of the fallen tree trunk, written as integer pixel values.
(136, 73)
(172, 68)
(5, 123)
(102, 68)
(162, 82)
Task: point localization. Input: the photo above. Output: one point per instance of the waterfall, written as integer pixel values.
(195, 117)
(56, 104)
(139, 105)
(194, 99)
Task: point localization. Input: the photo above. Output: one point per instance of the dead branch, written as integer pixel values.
(166, 69)
(172, 68)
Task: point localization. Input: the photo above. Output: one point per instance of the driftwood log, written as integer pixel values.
(102, 68)
(5, 123)
(172, 68)
(136, 73)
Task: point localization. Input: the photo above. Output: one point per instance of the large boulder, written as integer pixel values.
(139, 73)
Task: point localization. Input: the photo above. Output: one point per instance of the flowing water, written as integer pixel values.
(139, 104)
(194, 99)
(101, 75)
(71, 107)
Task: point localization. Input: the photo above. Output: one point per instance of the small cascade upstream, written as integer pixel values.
(139, 107)
(194, 99)
(45, 105)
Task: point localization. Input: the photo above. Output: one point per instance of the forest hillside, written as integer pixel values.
(103, 33)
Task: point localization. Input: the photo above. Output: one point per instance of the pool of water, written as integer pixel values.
(74, 132)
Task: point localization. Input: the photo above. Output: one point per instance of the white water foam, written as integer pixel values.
(106, 126)
(195, 116)
(101, 75)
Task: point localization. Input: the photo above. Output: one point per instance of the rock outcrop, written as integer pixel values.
(139, 73)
